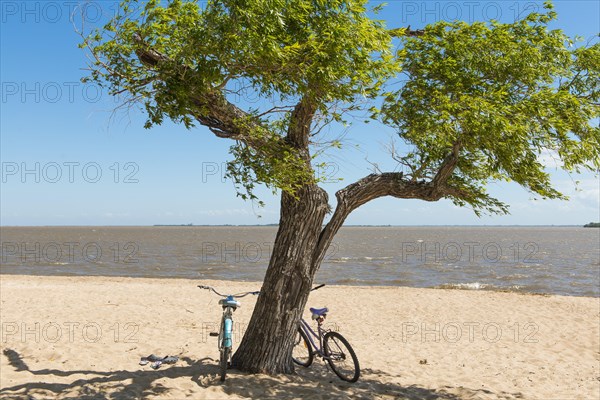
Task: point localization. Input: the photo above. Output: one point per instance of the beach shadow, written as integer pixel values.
(142, 382)
(319, 382)
(314, 383)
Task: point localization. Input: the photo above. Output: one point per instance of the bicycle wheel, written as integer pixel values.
(341, 357)
(225, 351)
(302, 353)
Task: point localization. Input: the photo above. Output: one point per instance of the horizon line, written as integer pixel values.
(276, 224)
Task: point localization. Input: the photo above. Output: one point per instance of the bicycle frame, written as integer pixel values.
(310, 333)
(326, 344)
(229, 306)
(225, 339)
(317, 335)
(226, 329)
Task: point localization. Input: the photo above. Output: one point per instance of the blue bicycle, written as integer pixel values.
(229, 304)
(329, 345)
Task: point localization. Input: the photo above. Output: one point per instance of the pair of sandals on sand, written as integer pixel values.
(158, 361)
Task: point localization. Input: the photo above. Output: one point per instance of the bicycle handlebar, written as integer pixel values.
(238, 295)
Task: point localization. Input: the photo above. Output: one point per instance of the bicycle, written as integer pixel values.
(225, 341)
(332, 347)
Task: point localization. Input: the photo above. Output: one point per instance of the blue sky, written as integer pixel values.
(67, 160)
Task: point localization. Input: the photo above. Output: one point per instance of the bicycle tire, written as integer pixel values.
(225, 351)
(301, 343)
(333, 345)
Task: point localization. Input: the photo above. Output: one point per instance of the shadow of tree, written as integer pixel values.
(142, 381)
(315, 382)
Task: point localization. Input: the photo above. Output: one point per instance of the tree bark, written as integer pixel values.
(267, 343)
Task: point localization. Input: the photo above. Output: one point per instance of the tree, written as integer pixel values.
(478, 103)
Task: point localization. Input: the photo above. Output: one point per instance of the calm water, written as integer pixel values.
(556, 260)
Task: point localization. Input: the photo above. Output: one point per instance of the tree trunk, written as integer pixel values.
(267, 343)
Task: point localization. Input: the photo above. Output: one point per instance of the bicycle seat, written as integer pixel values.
(319, 312)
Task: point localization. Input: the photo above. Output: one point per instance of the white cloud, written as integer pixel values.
(585, 194)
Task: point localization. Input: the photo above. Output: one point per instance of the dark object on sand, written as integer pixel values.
(158, 361)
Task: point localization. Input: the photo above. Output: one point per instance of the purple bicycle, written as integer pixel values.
(328, 345)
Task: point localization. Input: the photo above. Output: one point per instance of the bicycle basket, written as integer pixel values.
(229, 302)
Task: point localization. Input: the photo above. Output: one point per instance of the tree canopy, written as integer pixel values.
(476, 103)
(499, 95)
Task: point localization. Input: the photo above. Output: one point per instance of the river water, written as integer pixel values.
(553, 260)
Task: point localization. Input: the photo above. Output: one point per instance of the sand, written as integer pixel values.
(82, 337)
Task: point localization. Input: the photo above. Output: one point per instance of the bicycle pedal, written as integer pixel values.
(214, 334)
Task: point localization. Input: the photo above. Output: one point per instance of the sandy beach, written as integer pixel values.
(82, 337)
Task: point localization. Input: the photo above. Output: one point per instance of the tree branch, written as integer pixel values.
(387, 184)
(223, 118)
(366, 189)
(414, 32)
(300, 123)
(447, 167)
(397, 32)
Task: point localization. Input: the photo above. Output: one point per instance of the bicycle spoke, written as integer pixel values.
(301, 352)
(341, 357)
